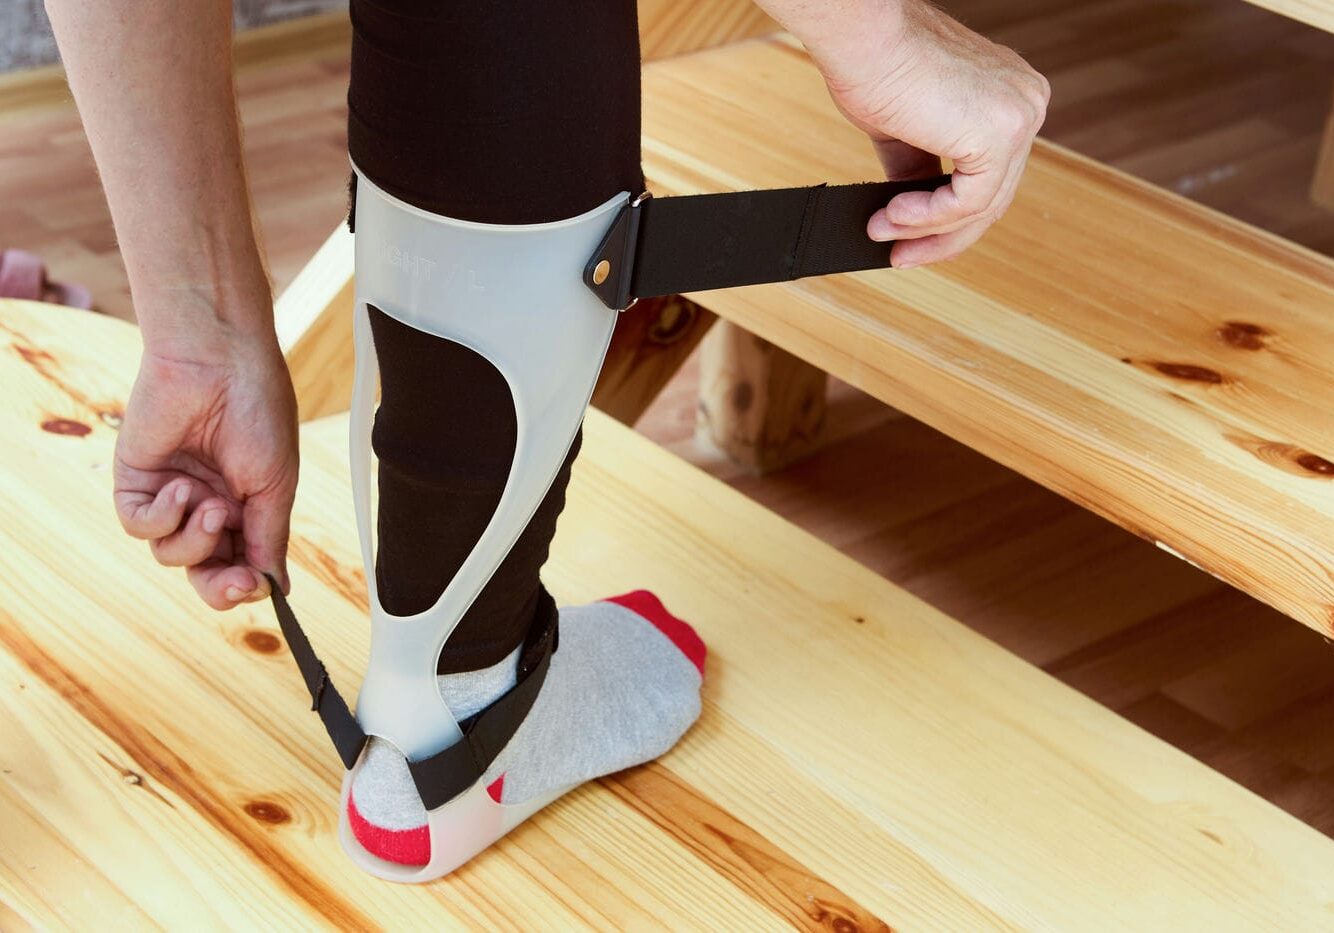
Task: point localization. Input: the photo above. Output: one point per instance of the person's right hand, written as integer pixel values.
(206, 465)
(933, 88)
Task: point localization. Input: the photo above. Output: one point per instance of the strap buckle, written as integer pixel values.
(609, 272)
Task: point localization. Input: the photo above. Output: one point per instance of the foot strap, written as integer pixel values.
(665, 246)
(449, 772)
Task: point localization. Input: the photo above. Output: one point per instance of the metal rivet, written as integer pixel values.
(601, 271)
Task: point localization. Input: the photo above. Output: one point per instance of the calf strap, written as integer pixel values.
(665, 246)
(449, 772)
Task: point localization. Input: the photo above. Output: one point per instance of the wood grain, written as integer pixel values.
(868, 758)
(671, 27)
(1156, 362)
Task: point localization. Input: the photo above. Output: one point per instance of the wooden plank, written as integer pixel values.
(167, 751)
(760, 405)
(313, 319)
(1317, 13)
(33, 89)
(1150, 359)
(671, 27)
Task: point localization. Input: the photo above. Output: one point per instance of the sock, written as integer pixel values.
(622, 688)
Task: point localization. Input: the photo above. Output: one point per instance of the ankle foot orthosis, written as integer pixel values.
(539, 301)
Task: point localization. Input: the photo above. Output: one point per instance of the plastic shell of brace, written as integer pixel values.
(514, 295)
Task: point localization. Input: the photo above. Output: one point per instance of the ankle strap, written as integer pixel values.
(449, 772)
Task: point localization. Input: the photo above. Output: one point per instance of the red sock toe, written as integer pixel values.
(402, 846)
(645, 604)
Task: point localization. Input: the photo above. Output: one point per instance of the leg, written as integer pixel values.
(503, 114)
(431, 85)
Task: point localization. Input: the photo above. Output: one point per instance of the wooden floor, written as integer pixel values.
(1221, 101)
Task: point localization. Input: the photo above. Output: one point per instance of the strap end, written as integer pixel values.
(609, 272)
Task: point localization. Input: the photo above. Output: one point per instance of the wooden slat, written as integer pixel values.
(860, 756)
(1154, 361)
(1317, 13)
(670, 27)
(313, 319)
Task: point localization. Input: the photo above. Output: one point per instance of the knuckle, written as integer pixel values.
(1044, 90)
(1017, 123)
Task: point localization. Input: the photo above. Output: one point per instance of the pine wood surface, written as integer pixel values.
(1220, 101)
(867, 762)
(1156, 362)
(313, 320)
(1318, 13)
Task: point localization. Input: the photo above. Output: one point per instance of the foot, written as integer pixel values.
(622, 688)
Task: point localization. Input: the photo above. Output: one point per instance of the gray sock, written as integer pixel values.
(622, 688)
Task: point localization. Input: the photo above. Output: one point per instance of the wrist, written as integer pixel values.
(859, 44)
(208, 322)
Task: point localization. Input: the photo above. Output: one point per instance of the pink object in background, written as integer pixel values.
(22, 275)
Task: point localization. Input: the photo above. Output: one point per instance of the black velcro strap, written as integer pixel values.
(450, 772)
(664, 246)
(338, 720)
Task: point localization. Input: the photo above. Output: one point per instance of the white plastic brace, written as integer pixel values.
(513, 294)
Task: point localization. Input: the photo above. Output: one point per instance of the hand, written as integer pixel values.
(206, 465)
(936, 89)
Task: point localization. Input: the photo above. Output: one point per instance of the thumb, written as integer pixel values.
(266, 524)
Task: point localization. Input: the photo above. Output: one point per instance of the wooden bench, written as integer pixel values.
(862, 760)
(1154, 361)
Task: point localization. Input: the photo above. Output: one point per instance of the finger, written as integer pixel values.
(224, 585)
(197, 539)
(153, 515)
(267, 524)
(967, 197)
(881, 228)
(910, 253)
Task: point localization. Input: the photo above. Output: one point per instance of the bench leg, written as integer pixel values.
(651, 342)
(1322, 186)
(759, 404)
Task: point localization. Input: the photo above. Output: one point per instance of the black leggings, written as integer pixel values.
(501, 112)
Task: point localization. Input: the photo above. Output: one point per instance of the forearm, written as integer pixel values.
(153, 82)
(842, 34)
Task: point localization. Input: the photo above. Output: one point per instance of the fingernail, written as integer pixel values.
(182, 494)
(879, 229)
(235, 594)
(213, 520)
